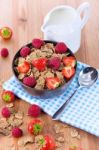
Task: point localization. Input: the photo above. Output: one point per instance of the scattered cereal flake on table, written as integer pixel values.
(37, 138)
(74, 133)
(10, 105)
(9, 128)
(78, 137)
(3, 123)
(26, 148)
(10, 119)
(60, 139)
(16, 122)
(12, 110)
(73, 146)
(28, 139)
(4, 132)
(66, 126)
(58, 144)
(14, 148)
(25, 140)
(19, 115)
(58, 128)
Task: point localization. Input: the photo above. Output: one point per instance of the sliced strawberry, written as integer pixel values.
(6, 33)
(40, 63)
(68, 72)
(52, 82)
(69, 61)
(24, 67)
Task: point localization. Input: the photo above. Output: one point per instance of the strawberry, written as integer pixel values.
(8, 96)
(47, 142)
(24, 67)
(6, 33)
(40, 63)
(69, 61)
(35, 126)
(68, 72)
(52, 82)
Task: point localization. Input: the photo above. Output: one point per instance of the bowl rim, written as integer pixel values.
(32, 88)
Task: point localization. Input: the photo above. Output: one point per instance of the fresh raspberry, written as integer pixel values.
(29, 81)
(54, 63)
(17, 132)
(25, 51)
(6, 112)
(34, 111)
(4, 52)
(37, 43)
(61, 48)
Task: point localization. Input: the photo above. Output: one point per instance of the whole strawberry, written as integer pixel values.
(34, 111)
(17, 132)
(8, 96)
(6, 33)
(35, 126)
(47, 142)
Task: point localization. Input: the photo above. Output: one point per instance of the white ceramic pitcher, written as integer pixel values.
(64, 24)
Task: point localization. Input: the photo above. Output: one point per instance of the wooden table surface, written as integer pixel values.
(25, 17)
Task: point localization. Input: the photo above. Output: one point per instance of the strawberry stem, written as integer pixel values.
(42, 141)
(6, 32)
(37, 128)
(6, 97)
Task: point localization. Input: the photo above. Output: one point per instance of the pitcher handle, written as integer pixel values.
(85, 9)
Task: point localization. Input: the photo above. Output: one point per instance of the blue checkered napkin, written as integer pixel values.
(81, 112)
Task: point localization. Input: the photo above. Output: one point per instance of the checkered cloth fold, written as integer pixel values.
(81, 112)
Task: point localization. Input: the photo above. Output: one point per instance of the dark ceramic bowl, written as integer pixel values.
(44, 93)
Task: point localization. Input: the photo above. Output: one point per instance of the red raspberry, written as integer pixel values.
(37, 43)
(54, 63)
(4, 52)
(29, 81)
(25, 51)
(34, 111)
(17, 132)
(6, 112)
(61, 48)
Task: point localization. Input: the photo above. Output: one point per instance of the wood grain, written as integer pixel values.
(25, 17)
